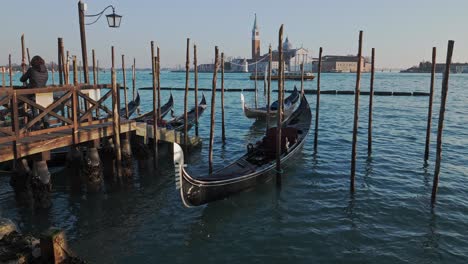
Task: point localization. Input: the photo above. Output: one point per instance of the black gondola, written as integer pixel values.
(132, 107)
(177, 123)
(262, 112)
(255, 167)
(164, 110)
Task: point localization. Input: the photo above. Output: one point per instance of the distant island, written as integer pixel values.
(426, 67)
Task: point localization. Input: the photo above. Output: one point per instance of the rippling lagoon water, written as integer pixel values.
(313, 218)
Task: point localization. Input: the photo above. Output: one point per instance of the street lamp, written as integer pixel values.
(112, 19)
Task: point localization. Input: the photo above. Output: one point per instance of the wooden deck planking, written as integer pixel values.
(45, 142)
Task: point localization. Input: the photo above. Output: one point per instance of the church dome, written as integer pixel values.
(287, 45)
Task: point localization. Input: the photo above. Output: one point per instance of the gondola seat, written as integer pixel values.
(288, 134)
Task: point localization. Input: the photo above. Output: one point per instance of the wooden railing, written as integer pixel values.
(30, 112)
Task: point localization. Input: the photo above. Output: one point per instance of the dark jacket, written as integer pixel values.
(37, 76)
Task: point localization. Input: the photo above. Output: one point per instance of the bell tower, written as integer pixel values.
(255, 40)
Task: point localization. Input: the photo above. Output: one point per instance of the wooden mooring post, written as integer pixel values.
(67, 68)
(302, 79)
(29, 57)
(97, 71)
(155, 108)
(94, 68)
(223, 132)
(441, 121)
(3, 76)
(187, 76)
(431, 100)
(371, 97)
(280, 107)
(158, 79)
(195, 69)
(10, 70)
(356, 114)
(317, 103)
(256, 92)
(213, 104)
(23, 54)
(53, 72)
(270, 55)
(60, 60)
(116, 117)
(124, 76)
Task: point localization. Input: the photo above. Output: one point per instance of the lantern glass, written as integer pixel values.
(114, 20)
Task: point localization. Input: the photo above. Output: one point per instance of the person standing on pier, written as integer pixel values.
(37, 75)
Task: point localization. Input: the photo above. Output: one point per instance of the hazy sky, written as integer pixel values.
(402, 31)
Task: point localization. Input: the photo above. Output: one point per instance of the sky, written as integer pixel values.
(403, 32)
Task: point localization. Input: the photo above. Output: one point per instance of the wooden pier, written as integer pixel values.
(75, 115)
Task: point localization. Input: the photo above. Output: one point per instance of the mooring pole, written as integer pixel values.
(269, 87)
(280, 108)
(23, 54)
(124, 76)
(134, 79)
(9, 70)
(97, 71)
(187, 76)
(3, 76)
(67, 70)
(256, 96)
(195, 68)
(317, 104)
(155, 114)
(223, 132)
(371, 97)
(29, 57)
(116, 117)
(302, 79)
(356, 113)
(158, 77)
(75, 72)
(431, 100)
(94, 68)
(52, 70)
(84, 53)
(213, 103)
(441, 121)
(60, 60)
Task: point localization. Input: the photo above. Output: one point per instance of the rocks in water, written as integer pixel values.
(6, 227)
(19, 248)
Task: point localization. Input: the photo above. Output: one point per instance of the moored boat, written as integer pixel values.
(262, 112)
(178, 123)
(164, 110)
(256, 166)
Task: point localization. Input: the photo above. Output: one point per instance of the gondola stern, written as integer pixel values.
(179, 167)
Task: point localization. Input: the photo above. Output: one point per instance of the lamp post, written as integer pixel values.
(113, 21)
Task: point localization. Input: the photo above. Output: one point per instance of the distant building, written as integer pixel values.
(255, 40)
(293, 57)
(333, 63)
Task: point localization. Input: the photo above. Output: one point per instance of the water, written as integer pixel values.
(313, 218)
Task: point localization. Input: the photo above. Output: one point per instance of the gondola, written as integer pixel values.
(132, 106)
(262, 112)
(164, 110)
(256, 166)
(177, 123)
